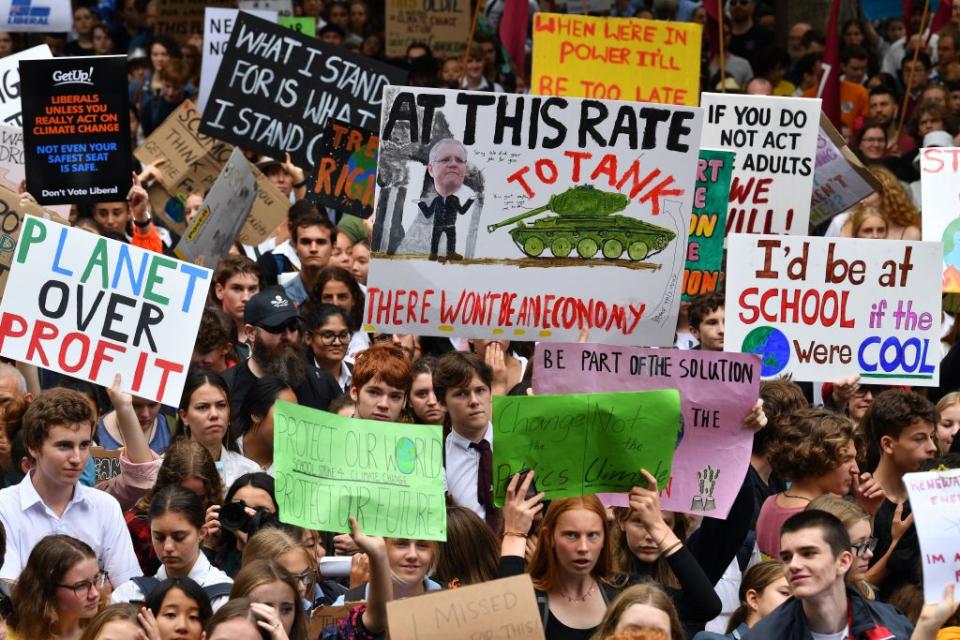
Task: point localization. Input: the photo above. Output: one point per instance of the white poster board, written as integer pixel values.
(90, 307)
(822, 309)
(775, 140)
(935, 501)
(940, 191)
(10, 83)
(217, 27)
(49, 16)
(561, 219)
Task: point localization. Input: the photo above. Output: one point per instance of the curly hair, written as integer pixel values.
(939, 112)
(704, 305)
(891, 412)
(896, 201)
(810, 443)
(780, 398)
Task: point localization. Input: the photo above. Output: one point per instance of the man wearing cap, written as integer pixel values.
(272, 326)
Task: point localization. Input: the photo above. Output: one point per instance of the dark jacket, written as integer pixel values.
(788, 622)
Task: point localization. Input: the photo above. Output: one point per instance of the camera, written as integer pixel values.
(234, 517)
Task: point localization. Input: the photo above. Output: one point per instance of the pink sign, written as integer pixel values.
(717, 391)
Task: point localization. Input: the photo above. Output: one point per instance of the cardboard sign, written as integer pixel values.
(76, 132)
(591, 199)
(346, 175)
(194, 161)
(91, 307)
(324, 616)
(11, 157)
(504, 609)
(10, 83)
(443, 26)
(822, 309)
(217, 27)
(717, 391)
(935, 501)
(222, 214)
(839, 180)
(48, 16)
(276, 89)
(106, 463)
(708, 221)
(306, 26)
(181, 19)
(585, 443)
(940, 190)
(388, 476)
(616, 58)
(11, 223)
(775, 140)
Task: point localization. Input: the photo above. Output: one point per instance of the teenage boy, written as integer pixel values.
(57, 432)
(816, 552)
(462, 383)
(236, 280)
(900, 426)
(706, 321)
(381, 381)
(312, 236)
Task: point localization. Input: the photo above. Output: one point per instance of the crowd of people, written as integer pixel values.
(188, 540)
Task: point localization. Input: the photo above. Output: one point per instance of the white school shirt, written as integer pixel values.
(232, 465)
(202, 572)
(463, 465)
(92, 516)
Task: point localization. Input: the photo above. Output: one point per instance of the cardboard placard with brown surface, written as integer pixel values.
(11, 221)
(444, 26)
(181, 19)
(323, 617)
(495, 610)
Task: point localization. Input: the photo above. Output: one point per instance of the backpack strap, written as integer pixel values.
(215, 591)
(146, 584)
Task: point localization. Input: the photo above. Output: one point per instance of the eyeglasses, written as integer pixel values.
(307, 579)
(868, 545)
(83, 589)
(293, 325)
(329, 337)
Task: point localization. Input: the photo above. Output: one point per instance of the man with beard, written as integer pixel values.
(272, 327)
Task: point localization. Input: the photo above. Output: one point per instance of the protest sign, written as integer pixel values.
(12, 213)
(935, 501)
(104, 307)
(326, 615)
(48, 16)
(346, 174)
(610, 183)
(839, 178)
(306, 26)
(616, 58)
(707, 224)
(76, 132)
(281, 7)
(585, 443)
(443, 26)
(717, 390)
(822, 309)
(181, 19)
(10, 83)
(940, 192)
(388, 476)
(222, 214)
(217, 27)
(774, 140)
(11, 157)
(276, 89)
(875, 10)
(504, 609)
(193, 162)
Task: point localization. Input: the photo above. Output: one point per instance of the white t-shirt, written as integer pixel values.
(839, 635)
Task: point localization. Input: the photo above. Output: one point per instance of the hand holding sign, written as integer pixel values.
(933, 616)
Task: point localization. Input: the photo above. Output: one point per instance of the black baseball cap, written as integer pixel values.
(270, 308)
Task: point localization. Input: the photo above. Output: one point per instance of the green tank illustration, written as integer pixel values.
(584, 223)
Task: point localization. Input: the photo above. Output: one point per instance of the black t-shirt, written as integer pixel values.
(751, 43)
(317, 392)
(904, 564)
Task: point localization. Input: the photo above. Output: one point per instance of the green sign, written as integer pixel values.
(585, 443)
(708, 224)
(306, 26)
(388, 476)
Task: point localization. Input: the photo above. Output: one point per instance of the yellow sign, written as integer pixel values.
(616, 59)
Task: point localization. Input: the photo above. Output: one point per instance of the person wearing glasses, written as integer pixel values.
(272, 325)
(57, 431)
(58, 591)
(859, 527)
(177, 516)
(327, 334)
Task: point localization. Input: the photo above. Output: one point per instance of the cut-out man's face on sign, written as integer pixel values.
(448, 168)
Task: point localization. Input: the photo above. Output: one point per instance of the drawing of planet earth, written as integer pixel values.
(772, 346)
(406, 452)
